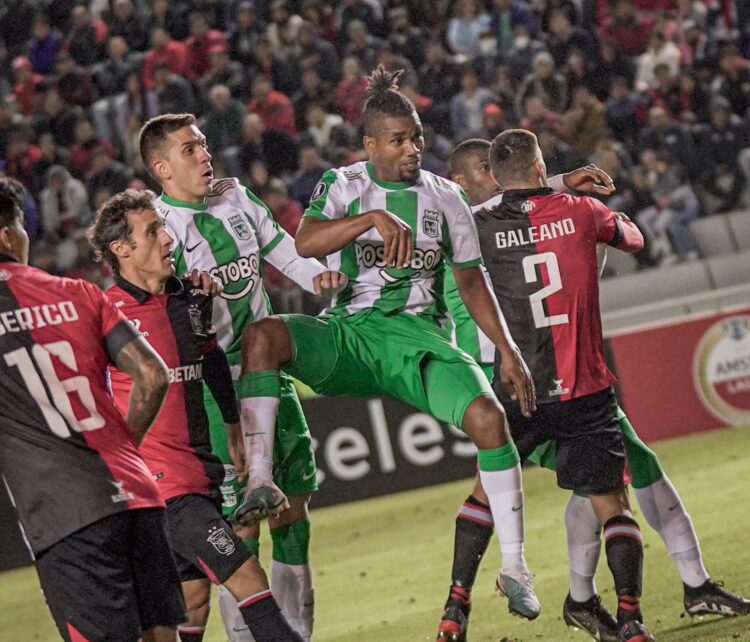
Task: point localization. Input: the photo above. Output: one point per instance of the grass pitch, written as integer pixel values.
(382, 566)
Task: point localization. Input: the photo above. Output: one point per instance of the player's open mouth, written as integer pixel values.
(168, 258)
(208, 174)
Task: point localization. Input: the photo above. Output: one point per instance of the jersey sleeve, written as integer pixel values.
(326, 201)
(461, 238)
(621, 234)
(114, 326)
(260, 218)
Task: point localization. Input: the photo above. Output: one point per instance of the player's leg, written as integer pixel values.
(197, 595)
(234, 624)
(664, 511)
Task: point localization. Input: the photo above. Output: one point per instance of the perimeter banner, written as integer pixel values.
(685, 377)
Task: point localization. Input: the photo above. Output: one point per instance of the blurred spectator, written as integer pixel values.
(467, 105)
(51, 154)
(558, 156)
(362, 45)
(109, 75)
(320, 125)
(172, 16)
(733, 81)
(523, 49)
(564, 38)
(44, 45)
(545, 83)
(405, 39)
(87, 142)
(63, 203)
(26, 84)
(216, 12)
(693, 99)
(611, 64)
(258, 176)
(351, 92)
(124, 20)
(629, 30)
(224, 71)
(578, 71)
(465, 29)
(274, 108)
(201, 40)
(272, 146)
(244, 33)
(311, 168)
(16, 19)
(664, 92)
(86, 38)
(106, 174)
(21, 156)
(350, 11)
(222, 122)
(281, 72)
(537, 117)
(550, 7)
(493, 122)
(164, 49)
(660, 52)
(585, 122)
(315, 53)
(173, 92)
(58, 118)
(312, 90)
(505, 16)
(73, 81)
(135, 102)
(672, 138)
(283, 27)
(622, 107)
(693, 42)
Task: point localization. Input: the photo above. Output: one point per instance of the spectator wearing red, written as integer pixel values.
(87, 144)
(537, 117)
(164, 49)
(287, 213)
(351, 91)
(73, 81)
(21, 158)
(26, 84)
(201, 39)
(628, 29)
(274, 108)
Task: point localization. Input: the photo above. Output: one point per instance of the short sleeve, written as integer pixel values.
(462, 244)
(259, 216)
(326, 201)
(604, 220)
(115, 328)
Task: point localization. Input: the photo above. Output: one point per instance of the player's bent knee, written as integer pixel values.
(484, 421)
(266, 344)
(297, 510)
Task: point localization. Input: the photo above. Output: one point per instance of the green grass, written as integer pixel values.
(382, 565)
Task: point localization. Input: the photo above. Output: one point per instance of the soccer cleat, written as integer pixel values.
(711, 599)
(635, 631)
(517, 587)
(262, 499)
(454, 622)
(592, 617)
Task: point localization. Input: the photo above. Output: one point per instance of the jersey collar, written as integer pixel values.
(172, 286)
(491, 202)
(526, 193)
(198, 207)
(386, 184)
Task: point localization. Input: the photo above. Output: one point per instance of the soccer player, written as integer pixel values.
(175, 315)
(90, 510)
(659, 501)
(390, 226)
(221, 227)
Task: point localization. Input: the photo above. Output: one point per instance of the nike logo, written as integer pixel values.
(515, 509)
(671, 508)
(309, 475)
(190, 249)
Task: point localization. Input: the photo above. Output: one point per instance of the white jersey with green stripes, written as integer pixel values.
(227, 235)
(442, 227)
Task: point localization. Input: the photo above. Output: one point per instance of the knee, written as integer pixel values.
(486, 424)
(265, 344)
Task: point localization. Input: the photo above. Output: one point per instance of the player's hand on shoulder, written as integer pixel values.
(204, 281)
(516, 377)
(396, 237)
(329, 282)
(590, 179)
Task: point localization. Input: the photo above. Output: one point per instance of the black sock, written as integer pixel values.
(624, 547)
(191, 633)
(264, 619)
(474, 527)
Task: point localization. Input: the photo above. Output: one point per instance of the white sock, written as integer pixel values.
(665, 513)
(584, 545)
(294, 592)
(505, 492)
(234, 624)
(258, 419)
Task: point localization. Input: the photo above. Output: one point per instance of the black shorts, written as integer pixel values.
(113, 579)
(203, 542)
(590, 455)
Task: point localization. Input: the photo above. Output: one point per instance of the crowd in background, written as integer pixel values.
(656, 92)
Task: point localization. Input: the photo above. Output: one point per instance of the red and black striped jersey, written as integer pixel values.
(65, 452)
(177, 324)
(539, 247)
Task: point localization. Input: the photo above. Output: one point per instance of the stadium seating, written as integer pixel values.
(730, 269)
(739, 224)
(619, 263)
(713, 235)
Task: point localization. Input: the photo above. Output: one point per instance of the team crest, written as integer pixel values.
(527, 206)
(240, 227)
(319, 190)
(220, 540)
(431, 223)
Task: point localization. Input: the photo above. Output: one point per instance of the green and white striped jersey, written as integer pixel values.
(227, 235)
(442, 229)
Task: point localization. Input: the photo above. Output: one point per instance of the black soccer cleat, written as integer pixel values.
(592, 618)
(634, 631)
(454, 623)
(711, 599)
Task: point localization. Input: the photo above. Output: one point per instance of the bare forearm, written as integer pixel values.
(318, 238)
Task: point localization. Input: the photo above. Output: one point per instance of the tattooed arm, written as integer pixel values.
(150, 382)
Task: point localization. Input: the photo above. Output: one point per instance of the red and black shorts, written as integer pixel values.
(590, 454)
(203, 542)
(113, 579)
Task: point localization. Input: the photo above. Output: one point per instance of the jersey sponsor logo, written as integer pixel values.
(353, 175)
(220, 540)
(186, 373)
(221, 186)
(370, 256)
(5, 275)
(121, 495)
(721, 369)
(244, 268)
(319, 190)
(431, 223)
(136, 324)
(240, 227)
(37, 316)
(534, 234)
(558, 389)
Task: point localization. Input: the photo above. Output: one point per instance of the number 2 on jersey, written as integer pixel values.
(541, 320)
(58, 411)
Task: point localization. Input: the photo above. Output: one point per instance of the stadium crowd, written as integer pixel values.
(655, 92)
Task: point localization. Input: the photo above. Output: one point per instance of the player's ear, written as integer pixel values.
(459, 178)
(369, 144)
(161, 169)
(120, 248)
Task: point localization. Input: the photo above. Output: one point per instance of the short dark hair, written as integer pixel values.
(12, 188)
(111, 222)
(155, 131)
(384, 98)
(10, 210)
(463, 150)
(512, 153)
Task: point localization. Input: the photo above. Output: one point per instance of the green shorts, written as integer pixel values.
(399, 355)
(294, 469)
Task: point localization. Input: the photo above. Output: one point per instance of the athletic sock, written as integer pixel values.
(664, 511)
(234, 623)
(264, 619)
(291, 575)
(584, 546)
(259, 394)
(191, 633)
(500, 472)
(474, 528)
(624, 548)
